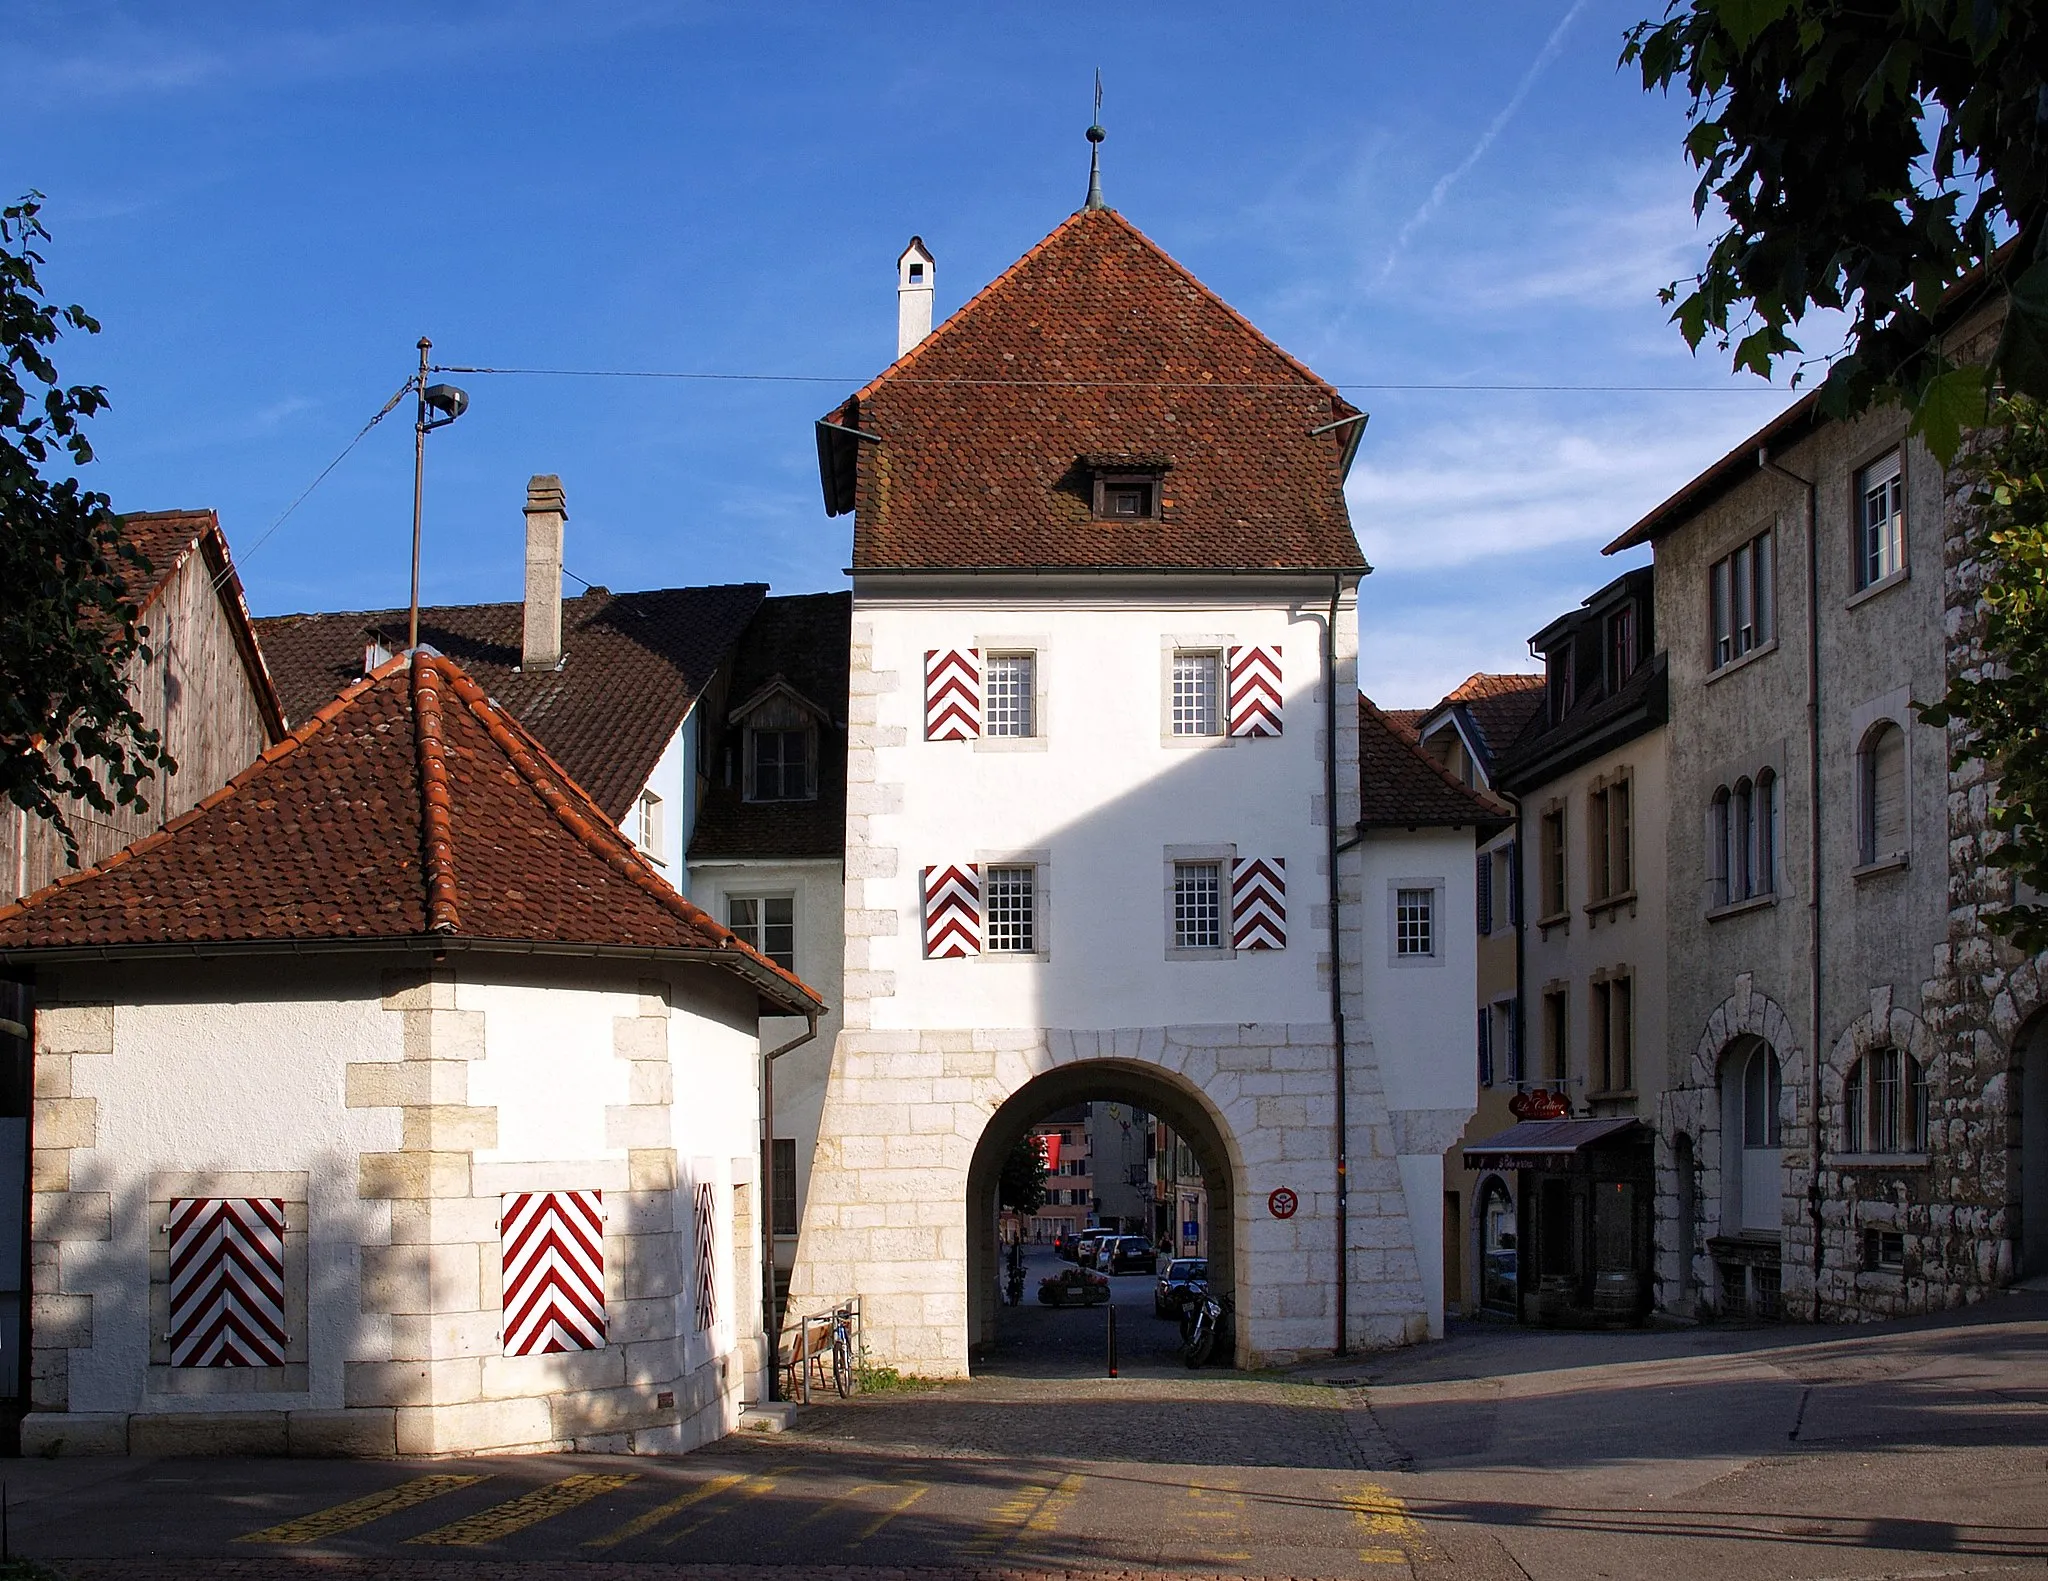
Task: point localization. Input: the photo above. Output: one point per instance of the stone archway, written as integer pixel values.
(1170, 1097)
(1693, 1109)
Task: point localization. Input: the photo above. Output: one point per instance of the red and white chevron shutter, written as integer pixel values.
(952, 694)
(707, 1256)
(227, 1282)
(1258, 903)
(554, 1271)
(1255, 691)
(952, 911)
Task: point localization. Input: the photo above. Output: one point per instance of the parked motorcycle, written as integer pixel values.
(1205, 1325)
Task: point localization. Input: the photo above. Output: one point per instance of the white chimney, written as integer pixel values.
(913, 295)
(546, 512)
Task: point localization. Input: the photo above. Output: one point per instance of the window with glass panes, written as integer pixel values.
(1743, 597)
(782, 1194)
(768, 923)
(1415, 922)
(1880, 521)
(1885, 1103)
(1010, 911)
(781, 764)
(1006, 694)
(1196, 689)
(1198, 905)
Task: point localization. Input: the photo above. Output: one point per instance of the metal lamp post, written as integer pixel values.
(449, 403)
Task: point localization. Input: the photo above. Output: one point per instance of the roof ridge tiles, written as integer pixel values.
(437, 833)
(561, 794)
(292, 740)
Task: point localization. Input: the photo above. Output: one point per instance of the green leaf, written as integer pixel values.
(1950, 403)
(2022, 355)
(1745, 20)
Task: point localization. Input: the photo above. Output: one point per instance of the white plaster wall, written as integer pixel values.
(226, 1066)
(716, 1123)
(674, 780)
(550, 1068)
(1101, 796)
(1420, 1015)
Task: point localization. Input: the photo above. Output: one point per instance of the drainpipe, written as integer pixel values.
(1813, 856)
(769, 1325)
(1336, 963)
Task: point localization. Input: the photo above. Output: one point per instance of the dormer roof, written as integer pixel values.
(970, 451)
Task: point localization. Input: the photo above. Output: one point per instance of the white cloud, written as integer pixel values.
(1464, 490)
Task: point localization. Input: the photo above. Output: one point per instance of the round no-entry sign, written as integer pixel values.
(1282, 1203)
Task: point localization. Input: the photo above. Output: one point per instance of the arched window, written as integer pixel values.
(1762, 1085)
(1752, 1141)
(1881, 769)
(1885, 1104)
(1741, 841)
(1764, 876)
(1717, 848)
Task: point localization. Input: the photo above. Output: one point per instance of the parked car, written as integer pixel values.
(1089, 1253)
(1185, 1279)
(1073, 1287)
(1129, 1254)
(1066, 1245)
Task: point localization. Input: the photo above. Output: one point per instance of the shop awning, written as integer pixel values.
(1535, 1142)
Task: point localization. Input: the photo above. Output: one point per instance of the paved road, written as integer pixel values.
(1072, 1342)
(1909, 1450)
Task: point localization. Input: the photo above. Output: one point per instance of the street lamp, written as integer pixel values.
(446, 403)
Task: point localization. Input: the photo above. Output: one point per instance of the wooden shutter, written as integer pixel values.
(1258, 903)
(227, 1282)
(552, 1243)
(1486, 1045)
(1482, 886)
(1255, 691)
(952, 694)
(952, 911)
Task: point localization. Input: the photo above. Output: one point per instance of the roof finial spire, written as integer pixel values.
(1095, 137)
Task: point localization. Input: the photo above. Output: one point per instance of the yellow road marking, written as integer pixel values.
(1383, 1520)
(641, 1524)
(1233, 1511)
(912, 1494)
(359, 1512)
(751, 1489)
(529, 1509)
(1032, 1508)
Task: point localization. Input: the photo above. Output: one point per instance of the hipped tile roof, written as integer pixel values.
(1095, 343)
(802, 642)
(410, 809)
(1402, 786)
(633, 665)
(1500, 706)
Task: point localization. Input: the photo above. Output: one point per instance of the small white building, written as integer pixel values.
(357, 1123)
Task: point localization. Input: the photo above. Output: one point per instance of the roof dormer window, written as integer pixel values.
(1127, 488)
(780, 735)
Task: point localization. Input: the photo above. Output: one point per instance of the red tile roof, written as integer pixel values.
(1401, 786)
(633, 666)
(165, 539)
(409, 809)
(1500, 706)
(1094, 344)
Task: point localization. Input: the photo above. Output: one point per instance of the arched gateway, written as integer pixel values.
(1102, 761)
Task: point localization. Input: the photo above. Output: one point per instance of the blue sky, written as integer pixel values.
(266, 206)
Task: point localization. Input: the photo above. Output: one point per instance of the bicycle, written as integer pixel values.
(844, 1377)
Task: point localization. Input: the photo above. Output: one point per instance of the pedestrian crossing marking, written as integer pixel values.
(1048, 1513)
(529, 1509)
(359, 1512)
(1233, 1502)
(826, 1507)
(911, 1495)
(1381, 1516)
(747, 1491)
(640, 1525)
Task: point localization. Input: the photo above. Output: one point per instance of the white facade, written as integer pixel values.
(662, 829)
(1419, 1017)
(1233, 1047)
(391, 1108)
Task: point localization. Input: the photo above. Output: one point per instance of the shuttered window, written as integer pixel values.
(1883, 765)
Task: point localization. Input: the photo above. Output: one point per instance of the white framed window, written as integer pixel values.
(1743, 587)
(1415, 922)
(1009, 695)
(647, 824)
(1197, 694)
(1198, 905)
(1415, 917)
(1010, 910)
(768, 923)
(1880, 521)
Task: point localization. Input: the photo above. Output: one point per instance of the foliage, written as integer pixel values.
(69, 733)
(1810, 121)
(2001, 714)
(1022, 1183)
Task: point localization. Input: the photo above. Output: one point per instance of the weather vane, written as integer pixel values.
(1095, 137)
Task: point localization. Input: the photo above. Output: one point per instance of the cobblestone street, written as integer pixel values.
(1914, 1449)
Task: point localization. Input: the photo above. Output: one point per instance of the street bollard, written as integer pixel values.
(1112, 1342)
